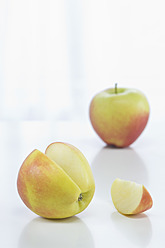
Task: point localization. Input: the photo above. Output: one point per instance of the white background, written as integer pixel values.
(55, 55)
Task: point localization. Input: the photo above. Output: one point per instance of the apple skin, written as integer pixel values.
(145, 203)
(48, 190)
(119, 118)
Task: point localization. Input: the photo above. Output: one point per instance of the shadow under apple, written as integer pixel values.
(111, 163)
(44, 233)
(136, 228)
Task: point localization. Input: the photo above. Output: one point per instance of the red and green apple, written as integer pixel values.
(119, 115)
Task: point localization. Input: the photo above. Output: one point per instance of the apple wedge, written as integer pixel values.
(57, 184)
(130, 197)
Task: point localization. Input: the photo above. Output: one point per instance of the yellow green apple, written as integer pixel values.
(57, 184)
(129, 197)
(119, 115)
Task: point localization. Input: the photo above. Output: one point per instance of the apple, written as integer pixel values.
(119, 115)
(57, 184)
(130, 197)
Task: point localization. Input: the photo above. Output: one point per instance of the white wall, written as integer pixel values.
(56, 54)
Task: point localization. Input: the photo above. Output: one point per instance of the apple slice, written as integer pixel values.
(130, 197)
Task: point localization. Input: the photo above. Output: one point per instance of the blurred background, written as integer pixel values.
(55, 55)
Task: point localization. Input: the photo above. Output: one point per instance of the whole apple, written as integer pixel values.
(119, 115)
(57, 184)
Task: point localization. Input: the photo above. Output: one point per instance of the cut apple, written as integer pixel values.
(130, 197)
(57, 184)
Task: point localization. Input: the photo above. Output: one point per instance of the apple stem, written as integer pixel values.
(116, 88)
(80, 197)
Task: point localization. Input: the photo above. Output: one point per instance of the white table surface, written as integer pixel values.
(100, 225)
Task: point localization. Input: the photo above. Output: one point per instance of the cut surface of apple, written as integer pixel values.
(130, 197)
(57, 184)
(73, 162)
